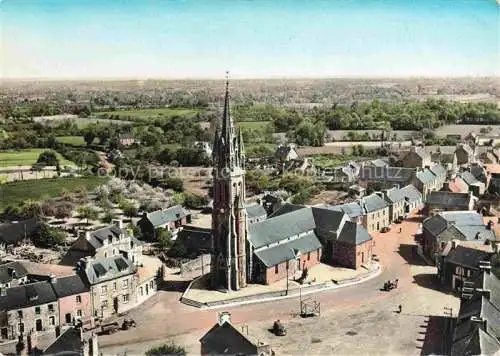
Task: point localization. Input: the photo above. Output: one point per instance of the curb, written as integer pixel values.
(299, 291)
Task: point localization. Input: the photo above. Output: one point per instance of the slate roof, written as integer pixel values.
(449, 199)
(389, 174)
(438, 170)
(420, 151)
(285, 209)
(225, 339)
(104, 269)
(354, 234)
(394, 195)
(443, 157)
(465, 147)
(378, 163)
(327, 219)
(255, 210)
(468, 178)
(280, 227)
(71, 285)
(411, 193)
(7, 267)
(195, 238)
(287, 250)
(372, 202)
(14, 232)
(425, 176)
(68, 343)
(353, 210)
(162, 217)
(98, 237)
(438, 223)
(467, 257)
(28, 295)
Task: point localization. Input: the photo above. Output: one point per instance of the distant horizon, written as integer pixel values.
(259, 39)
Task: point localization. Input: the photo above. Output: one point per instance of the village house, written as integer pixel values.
(475, 186)
(171, 219)
(204, 146)
(375, 212)
(382, 177)
(417, 157)
(425, 181)
(396, 199)
(112, 240)
(353, 247)
(456, 185)
(149, 278)
(16, 233)
(113, 284)
(413, 199)
(28, 308)
(494, 172)
(224, 339)
(440, 173)
(460, 260)
(478, 170)
(446, 159)
(12, 274)
(448, 201)
(352, 210)
(72, 342)
(73, 298)
(465, 154)
(445, 226)
(477, 330)
(285, 153)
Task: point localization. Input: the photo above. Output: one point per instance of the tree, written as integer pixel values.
(174, 183)
(166, 349)
(49, 158)
(129, 208)
(64, 210)
(164, 238)
(194, 201)
(48, 236)
(88, 213)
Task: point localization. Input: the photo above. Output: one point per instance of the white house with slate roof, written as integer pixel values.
(12, 274)
(171, 219)
(113, 284)
(113, 240)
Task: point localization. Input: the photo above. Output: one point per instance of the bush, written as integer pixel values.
(193, 201)
(48, 158)
(48, 236)
(129, 209)
(164, 238)
(166, 349)
(174, 183)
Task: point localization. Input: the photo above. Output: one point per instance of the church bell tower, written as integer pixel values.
(229, 222)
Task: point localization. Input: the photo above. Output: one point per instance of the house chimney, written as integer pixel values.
(53, 278)
(224, 317)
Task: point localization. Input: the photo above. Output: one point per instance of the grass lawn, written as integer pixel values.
(72, 140)
(26, 158)
(329, 161)
(252, 124)
(149, 113)
(16, 193)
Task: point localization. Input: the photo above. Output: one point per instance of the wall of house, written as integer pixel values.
(351, 256)
(103, 298)
(278, 272)
(78, 309)
(49, 318)
(146, 289)
(376, 220)
(413, 160)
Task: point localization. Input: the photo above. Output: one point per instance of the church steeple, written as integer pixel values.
(229, 223)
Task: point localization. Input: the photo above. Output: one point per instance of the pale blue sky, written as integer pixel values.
(252, 39)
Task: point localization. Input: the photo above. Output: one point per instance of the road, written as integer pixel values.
(164, 318)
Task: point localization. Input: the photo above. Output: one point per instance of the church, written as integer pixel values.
(290, 240)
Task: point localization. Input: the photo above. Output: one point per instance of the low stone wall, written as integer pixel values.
(268, 296)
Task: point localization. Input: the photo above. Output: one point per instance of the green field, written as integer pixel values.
(72, 140)
(252, 124)
(16, 193)
(26, 158)
(330, 161)
(149, 113)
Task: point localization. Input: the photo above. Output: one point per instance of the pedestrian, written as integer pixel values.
(400, 308)
(400, 229)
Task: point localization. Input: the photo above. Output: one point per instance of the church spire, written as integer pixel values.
(226, 116)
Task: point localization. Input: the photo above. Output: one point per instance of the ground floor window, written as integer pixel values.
(141, 291)
(79, 313)
(52, 320)
(151, 284)
(39, 325)
(125, 298)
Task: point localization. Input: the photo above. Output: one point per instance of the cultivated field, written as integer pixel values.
(141, 114)
(16, 193)
(253, 124)
(72, 140)
(26, 158)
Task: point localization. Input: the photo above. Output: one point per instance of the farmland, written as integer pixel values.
(72, 140)
(145, 114)
(26, 158)
(16, 193)
(245, 125)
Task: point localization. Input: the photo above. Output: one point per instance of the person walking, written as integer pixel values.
(400, 308)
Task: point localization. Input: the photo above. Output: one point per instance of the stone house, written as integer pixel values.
(382, 177)
(224, 339)
(171, 219)
(285, 153)
(12, 274)
(74, 299)
(446, 159)
(113, 240)
(446, 226)
(475, 186)
(461, 261)
(375, 212)
(28, 308)
(448, 201)
(396, 199)
(149, 278)
(417, 157)
(413, 199)
(113, 284)
(353, 247)
(425, 181)
(465, 154)
(440, 173)
(352, 210)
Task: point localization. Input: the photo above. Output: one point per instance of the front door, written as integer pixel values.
(5, 333)
(147, 289)
(115, 304)
(362, 257)
(298, 264)
(39, 325)
(68, 318)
